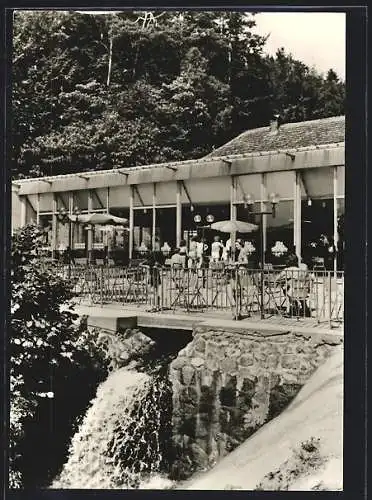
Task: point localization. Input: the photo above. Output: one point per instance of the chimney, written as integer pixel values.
(274, 124)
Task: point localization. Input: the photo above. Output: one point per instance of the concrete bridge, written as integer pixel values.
(230, 377)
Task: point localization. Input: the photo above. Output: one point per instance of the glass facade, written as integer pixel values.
(319, 193)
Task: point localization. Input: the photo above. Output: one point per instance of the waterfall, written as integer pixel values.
(119, 443)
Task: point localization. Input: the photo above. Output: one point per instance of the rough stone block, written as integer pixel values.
(199, 457)
(188, 426)
(229, 365)
(289, 362)
(290, 348)
(260, 355)
(178, 363)
(203, 425)
(246, 372)
(206, 399)
(213, 363)
(213, 348)
(272, 361)
(213, 453)
(199, 345)
(206, 378)
(246, 360)
(198, 329)
(197, 362)
(188, 375)
(280, 397)
(228, 396)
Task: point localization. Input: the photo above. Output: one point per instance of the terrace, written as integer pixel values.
(309, 298)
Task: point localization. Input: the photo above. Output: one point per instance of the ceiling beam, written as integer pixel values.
(139, 196)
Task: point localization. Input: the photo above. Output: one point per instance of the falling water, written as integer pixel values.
(119, 443)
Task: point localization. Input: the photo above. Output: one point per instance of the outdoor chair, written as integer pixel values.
(319, 264)
(274, 297)
(296, 286)
(178, 285)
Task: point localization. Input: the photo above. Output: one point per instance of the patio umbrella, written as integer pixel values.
(98, 219)
(233, 226)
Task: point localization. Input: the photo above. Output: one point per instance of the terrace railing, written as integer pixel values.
(242, 292)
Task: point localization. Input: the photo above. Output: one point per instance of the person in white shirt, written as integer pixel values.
(228, 245)
(193, 253)
(178, 260)
(217, 248)
(200, 247)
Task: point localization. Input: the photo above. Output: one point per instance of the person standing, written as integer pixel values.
(193, 252)
(217, 248)
(228, 249)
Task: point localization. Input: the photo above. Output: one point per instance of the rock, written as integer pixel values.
(202, 425)
(178, 363)
(199, 457)
(213, 452)
(212, 362)
(229, 365)
(197, 362)
(188, 375)
(199, 345)
(246, 360)
(198, 330)
(289, 361)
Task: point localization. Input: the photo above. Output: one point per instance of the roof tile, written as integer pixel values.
(289, 136)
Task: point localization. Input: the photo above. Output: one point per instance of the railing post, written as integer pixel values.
(330, 298)
(237, 311)
(101, 285)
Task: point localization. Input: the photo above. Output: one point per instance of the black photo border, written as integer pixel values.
(356, 221)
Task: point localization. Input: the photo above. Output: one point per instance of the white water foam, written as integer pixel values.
(117, 444)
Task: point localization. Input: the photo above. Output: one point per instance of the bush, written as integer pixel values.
(49, 346)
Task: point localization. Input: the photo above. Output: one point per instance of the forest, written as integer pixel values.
(92, 92)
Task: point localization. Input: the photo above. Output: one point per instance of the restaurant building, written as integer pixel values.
(303, 164)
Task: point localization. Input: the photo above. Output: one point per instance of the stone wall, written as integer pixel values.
(228, 384)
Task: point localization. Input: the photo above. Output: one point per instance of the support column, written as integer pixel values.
(233, 211)
(178, 214)
(294, 210)
(90, 230)
(131, 221)
(23, 202)
(108, 200)
(263, 194)
(335, 217)
(153, 234)
(297, 214)
(70, 224)
(54, 226)
(38, 209)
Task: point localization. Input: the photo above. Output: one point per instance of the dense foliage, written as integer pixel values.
(51, 358)
(124, 89)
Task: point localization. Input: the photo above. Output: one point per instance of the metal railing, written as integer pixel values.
(243, 292)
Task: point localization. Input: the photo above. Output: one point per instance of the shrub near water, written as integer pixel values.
(50, 356)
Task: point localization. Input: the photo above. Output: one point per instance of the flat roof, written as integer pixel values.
(261, 142)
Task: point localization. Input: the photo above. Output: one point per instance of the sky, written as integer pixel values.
(315, 38)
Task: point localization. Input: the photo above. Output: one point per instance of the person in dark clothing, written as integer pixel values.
(155, 262)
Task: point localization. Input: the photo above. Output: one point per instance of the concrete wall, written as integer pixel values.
(226, 385)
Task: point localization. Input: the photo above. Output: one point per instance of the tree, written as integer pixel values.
(299, 93)
(197, 108)
(49, 351)
(97, 92)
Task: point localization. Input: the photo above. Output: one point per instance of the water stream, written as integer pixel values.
(121, 440)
